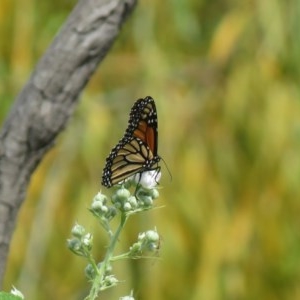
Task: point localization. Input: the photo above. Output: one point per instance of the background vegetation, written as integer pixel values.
(225, 76)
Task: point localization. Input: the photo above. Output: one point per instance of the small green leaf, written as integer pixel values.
(8, 296)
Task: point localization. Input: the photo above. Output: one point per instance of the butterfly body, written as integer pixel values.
(136, 152)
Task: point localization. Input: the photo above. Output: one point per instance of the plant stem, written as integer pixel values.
(98, 281)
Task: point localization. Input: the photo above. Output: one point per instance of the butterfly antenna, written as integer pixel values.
(167, 168)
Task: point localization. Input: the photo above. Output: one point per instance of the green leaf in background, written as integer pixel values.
(8, 296)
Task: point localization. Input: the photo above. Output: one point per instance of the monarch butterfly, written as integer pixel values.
(136, 152)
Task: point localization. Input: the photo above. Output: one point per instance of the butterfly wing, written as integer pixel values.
(146, 129)
(136, 152)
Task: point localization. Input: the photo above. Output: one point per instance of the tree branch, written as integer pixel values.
(46, 102)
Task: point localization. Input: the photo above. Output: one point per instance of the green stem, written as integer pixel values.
(98, 281)
(121, 256)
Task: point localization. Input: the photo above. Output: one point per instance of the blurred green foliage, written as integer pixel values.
(225, 76)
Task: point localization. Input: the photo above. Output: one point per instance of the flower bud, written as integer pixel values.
(147, 200)
(97, 206)
(123, 194)
(110, 280)
(133, 202)
(127, 206)
(78, 231)
(16, 293)
(148, 179)
(154, 194)
(75, 246)
(130, 297)
(100, 197)
(89, 272)
(152, 236)
(87, 241)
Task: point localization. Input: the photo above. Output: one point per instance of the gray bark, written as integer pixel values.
(46, 102)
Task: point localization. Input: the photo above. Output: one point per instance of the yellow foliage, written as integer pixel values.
(225, 78)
